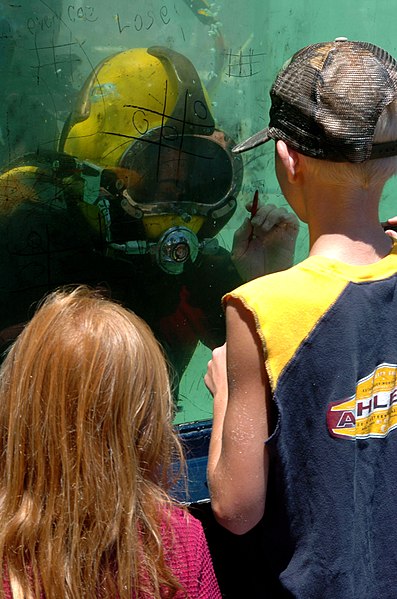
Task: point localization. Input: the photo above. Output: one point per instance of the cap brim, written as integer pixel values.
(252, 142)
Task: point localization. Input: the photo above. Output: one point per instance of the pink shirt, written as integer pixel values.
(187, 555)
(190, 559)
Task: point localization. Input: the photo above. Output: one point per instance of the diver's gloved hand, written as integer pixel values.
(266, 242)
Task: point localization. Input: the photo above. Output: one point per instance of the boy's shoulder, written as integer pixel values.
(317, 279)
(278, 285)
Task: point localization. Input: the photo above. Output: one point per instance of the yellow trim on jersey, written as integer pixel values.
(314, 285)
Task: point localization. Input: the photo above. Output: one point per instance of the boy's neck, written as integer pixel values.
(352, 251)
(348, 229)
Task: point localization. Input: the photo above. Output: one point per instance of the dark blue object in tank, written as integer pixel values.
(195, 437)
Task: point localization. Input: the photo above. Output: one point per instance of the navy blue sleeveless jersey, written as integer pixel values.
(329, 333)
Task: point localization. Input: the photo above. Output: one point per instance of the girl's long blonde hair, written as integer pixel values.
(87, 447)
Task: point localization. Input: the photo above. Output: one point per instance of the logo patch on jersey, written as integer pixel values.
(371, 411)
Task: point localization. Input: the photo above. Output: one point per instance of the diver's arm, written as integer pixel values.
(238, 458)
(265, 243)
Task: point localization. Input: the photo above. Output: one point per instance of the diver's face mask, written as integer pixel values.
(180, 180)
(177, 185)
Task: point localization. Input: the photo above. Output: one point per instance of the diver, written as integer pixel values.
(132, 201)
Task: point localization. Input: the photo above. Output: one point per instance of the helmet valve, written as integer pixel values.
(175, 247)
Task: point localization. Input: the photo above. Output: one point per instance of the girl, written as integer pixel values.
(87, 448)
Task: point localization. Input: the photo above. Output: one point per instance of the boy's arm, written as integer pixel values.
(238, 459)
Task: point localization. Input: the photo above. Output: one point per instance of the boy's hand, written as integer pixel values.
(215, 378)
(393, 223)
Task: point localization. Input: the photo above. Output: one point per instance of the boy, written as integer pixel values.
(306, 407)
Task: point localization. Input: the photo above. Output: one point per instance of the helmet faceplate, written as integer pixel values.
(145, 115)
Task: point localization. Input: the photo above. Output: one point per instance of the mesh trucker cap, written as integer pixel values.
(327, 99)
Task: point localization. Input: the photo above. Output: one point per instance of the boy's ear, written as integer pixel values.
(289, 158)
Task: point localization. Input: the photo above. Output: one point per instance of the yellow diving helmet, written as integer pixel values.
(144, 114)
